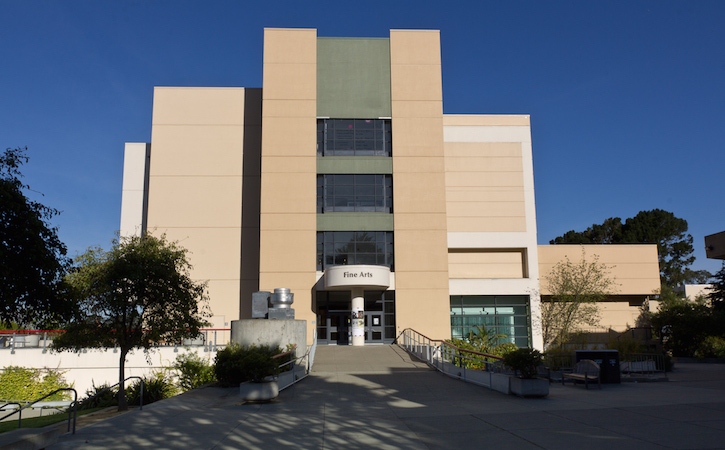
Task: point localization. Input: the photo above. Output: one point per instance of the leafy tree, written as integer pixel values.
(136, 295)
(33, 260)
(683, 325)
(574, 289)
(674, 244)
(717, 292)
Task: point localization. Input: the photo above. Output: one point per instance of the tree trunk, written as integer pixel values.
(122, 403)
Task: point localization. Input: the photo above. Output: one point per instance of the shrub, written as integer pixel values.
(711, 347)
(21, 383)
(524, 361)
(236, 364)
(193, 371)
(156, 387)
(104, 400)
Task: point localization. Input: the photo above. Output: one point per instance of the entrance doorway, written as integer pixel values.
(334, 317)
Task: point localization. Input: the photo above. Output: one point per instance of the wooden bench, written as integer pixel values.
(585, 370)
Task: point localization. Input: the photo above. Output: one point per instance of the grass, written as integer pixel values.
(39, 422)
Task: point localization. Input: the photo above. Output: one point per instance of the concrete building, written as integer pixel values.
(343, 180)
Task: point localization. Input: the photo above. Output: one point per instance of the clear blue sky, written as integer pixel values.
(627, 98)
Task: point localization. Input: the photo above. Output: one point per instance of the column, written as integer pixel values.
(358, 316)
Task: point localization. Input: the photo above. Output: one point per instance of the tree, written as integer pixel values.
(717, 292)
(33, 260)
(674, 244)
(574, 289)
(136, 295)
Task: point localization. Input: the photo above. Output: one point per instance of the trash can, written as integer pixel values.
(608, 361)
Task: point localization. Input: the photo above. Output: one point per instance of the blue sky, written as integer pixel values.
(626, 98)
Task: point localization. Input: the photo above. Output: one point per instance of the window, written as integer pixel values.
(342, 248)
(505, 314)
(354, 137)
(355, 193)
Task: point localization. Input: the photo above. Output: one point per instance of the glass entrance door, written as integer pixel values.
(373, 327)
(338, 327)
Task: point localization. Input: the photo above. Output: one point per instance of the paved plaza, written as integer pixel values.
(379, 397)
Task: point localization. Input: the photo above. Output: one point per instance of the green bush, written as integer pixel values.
(156, 387)
(524, 361)
(236, 364)
(711, 347)
(21, 383)
(104, 400)
(193, 371)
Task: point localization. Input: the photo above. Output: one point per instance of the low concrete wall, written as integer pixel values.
(271, 332)
(96, 366)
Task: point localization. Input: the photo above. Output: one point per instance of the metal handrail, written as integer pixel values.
(108, 389)
(450, 359)
(72, 407)
(309, 356)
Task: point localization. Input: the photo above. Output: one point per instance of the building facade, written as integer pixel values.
(342, 180)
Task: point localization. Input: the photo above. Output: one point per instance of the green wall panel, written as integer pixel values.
(355, 164)
(355, 222)
(353, 78)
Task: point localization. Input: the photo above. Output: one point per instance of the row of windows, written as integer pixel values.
(354, 137)
(504, 314)
(355, 193)
(341, 248)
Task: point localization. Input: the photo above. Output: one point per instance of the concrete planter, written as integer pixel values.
(529, 387)
(259, 392)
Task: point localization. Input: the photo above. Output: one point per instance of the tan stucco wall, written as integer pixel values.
(289, 167)
(421, 259)
(197, 140)
(485, 180)
(486, 264)
(634, 269)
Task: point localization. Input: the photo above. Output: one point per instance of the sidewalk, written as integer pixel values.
(378, 397)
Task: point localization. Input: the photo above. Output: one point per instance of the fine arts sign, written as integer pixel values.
(361, 275)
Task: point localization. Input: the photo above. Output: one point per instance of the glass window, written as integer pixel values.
(348, 247)
(359, 137)
(355, 193)
(504, 314)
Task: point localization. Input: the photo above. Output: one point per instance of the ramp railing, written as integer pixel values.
(467, 365)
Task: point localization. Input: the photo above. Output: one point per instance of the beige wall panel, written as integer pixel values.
(288, 251)
(416, 108)
(484, 257)
(282, 222)
(197, 150)
(192, 201)
(478, 149)
(419, 192)
(289, 136)
(198, 106)
(414, 132)
(484, 164)
(435, 221)
(432, 320)
(418, 251)
(415, 47)
(485, 271)
(224, 298)
(290, 81)
(508, 179)
(290, 164)
(484, 194)
(416, 82)
(420, 164)
(289, 193)
(618, 316)
(299, 282)
(634, 267)
(406, 150)
(486, 209)
(516, 120)
(486, 224)
(289, 108)
(422, 280)
(290, 45)
(209, 250)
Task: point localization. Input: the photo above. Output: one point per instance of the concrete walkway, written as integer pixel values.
(378, 397)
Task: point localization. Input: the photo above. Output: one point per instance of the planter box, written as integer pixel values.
(533, 387)
(259, 392)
